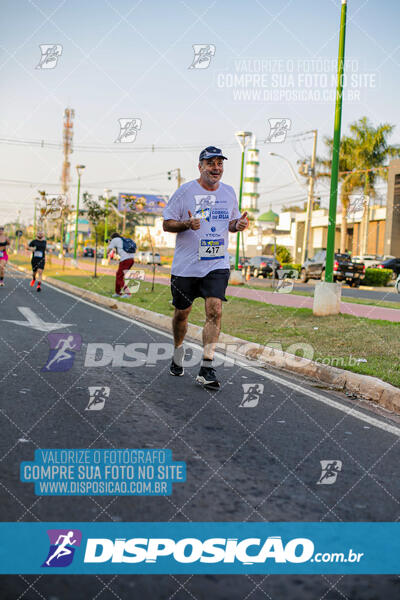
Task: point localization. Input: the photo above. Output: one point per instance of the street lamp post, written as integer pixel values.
(243, 138)
(79, 168)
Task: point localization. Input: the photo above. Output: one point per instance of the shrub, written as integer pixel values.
(296, 266)
(283, 254)
(377, 277)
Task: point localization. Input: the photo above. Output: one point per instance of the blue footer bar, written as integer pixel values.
(213, 548)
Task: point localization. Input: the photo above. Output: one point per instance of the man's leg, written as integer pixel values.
(179, 328)
(180, 325)
(2, 269)
(127, 264)
(212, 327)
(119, 278)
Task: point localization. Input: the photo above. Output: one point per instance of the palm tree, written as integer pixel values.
(365, 149)
(371, 153)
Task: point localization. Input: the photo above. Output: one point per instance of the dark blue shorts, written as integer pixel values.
(186, 289)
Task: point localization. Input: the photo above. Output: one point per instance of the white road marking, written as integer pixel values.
(349, 410)
(35, 322)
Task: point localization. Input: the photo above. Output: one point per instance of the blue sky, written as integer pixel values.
(125, 59)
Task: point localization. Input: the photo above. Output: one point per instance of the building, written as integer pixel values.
(251, 179)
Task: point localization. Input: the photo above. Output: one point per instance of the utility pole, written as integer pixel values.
(178, 176)
(107, 195)
(34, 220)
(79, 169)
(311, 180)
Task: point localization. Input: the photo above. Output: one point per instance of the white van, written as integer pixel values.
(152, 258)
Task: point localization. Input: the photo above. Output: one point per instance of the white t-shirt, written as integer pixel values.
(117, 244)
(199, 252)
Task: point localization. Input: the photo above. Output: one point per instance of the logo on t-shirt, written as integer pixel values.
(203, 204)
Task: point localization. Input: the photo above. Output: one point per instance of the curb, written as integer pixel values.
(364, 386)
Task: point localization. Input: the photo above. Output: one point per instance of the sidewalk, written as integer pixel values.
(275, 298)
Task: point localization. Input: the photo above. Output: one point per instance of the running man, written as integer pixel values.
(62, 549)
(4, 242)
(63, 345)
(201, 212)
(38, 261)
(125, 263)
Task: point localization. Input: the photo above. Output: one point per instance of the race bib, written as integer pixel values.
(38, 254)
(211, 249)
(1, 253)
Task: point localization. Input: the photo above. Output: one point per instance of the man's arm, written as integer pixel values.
(239, 224)
(111, 245)
(173, 226)
(232, 225)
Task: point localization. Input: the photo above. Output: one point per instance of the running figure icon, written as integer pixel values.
(62, 549)
(62, 354)
(62, 351)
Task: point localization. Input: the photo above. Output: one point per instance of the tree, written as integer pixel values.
(283, 254)
(95, 214)
(372, 152)
(363, 154)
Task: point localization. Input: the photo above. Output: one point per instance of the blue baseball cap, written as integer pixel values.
(210, 152)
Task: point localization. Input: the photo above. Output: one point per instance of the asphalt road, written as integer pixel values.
(256, 464)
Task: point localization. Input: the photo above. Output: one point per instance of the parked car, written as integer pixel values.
(88, 252)
(392, 263)
(397, 285)
(140, 257)
(262, 266)
(243, 263)
(369, 260)
(151, 258)
(343, 269)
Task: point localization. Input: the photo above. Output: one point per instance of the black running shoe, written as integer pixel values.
(208, 377)
(38, 289)
(176, 369)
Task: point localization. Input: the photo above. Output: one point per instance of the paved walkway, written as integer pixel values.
(278, 299)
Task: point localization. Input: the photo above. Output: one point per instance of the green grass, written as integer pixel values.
(310, 294)
(339, 337)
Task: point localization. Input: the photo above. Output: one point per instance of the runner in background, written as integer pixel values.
(4, 242)
(125, 248)
(38, 247)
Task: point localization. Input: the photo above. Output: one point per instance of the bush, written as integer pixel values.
(377, 277)
(295, 266)
(283, 254)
